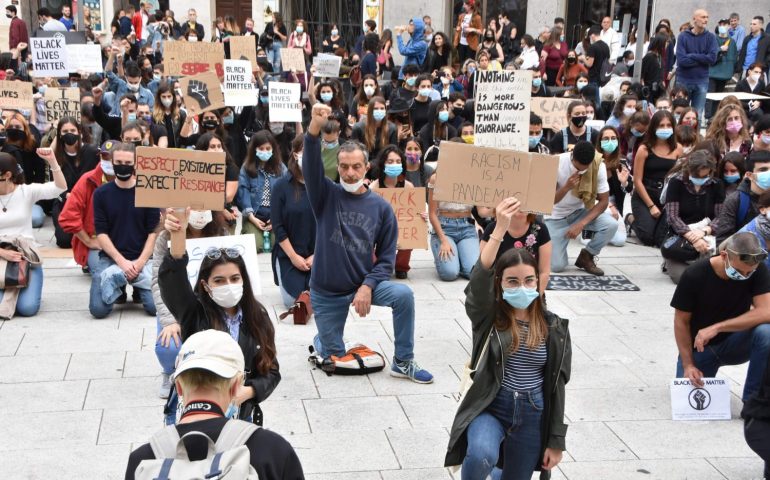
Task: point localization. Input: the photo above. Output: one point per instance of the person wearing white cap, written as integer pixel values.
(208, 376)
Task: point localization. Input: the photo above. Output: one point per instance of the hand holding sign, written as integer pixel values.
(176, 224)
(505, 211)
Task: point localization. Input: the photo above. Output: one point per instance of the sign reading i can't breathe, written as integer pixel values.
(169, 177)
(710, 402)
(49, 57)
(502, 109)
(285, 103)
(61, 102)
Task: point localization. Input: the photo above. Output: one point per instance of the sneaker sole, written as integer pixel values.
(401, 375)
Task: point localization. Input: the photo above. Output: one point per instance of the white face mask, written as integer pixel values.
(227, 296)
(369, 91)
(754, 77)
(134, 87)
(352, 187)
(107, 168)
(199, 219)
(167, 102)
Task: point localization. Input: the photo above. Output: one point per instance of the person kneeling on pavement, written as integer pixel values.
(355, 251)
(582, 197)
(209, 375)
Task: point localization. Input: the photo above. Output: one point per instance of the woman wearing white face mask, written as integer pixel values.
(369, 89)
(222, 299)
(166, 112)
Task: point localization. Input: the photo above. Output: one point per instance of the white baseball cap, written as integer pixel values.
(210, 350)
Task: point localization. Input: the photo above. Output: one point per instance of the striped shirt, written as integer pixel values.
(524, 369)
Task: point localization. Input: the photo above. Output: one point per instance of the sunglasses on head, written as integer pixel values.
(750, 258)
(215, 253)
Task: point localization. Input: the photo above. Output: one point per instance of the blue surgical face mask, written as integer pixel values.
(536, 82)
(443, 116)
(581, 85)
(723, 29)
(762, 179)
(521, 297)
(379, 115)
(609, 146)
(300, 29)
(393, 170)
(264, 155)
(699, 182)
(326, 97)
(411, 81)
(734, 274)
(264, 99)
(636, 133)
(228, 119)
(534, 140)
(424, 92)
(232, 411)
(329, 145)
(132, 117)
(676, 117)
(664, 133)
(732, 178)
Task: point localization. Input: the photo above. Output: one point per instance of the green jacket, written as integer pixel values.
(725, 66)
(480, 307)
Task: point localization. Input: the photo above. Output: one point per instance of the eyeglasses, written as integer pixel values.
(750, 258)
(214, 253)
(529, 282)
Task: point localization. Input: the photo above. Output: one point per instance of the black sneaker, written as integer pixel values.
(135, 297)
(86, 270)
(401, 275)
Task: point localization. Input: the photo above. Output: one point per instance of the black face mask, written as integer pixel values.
(209, 124)
(137, 143)
(489, 38)
(571, 59)
(579, 121)
(123, 172)
(70, 139)
(16, 135)
(458, 111)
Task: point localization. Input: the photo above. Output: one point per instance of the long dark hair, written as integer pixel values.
(611, 160)
(336, 103)
(85, 138)
(203, 145)
(250, 163)
(383, 157)
(255, 318)
(440, 130)
(8, 163)
(650, 138)
(504, 313)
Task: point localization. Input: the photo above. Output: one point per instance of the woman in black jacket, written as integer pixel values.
(223, 300)
(436, 130)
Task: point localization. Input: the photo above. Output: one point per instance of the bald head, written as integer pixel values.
(700, 19)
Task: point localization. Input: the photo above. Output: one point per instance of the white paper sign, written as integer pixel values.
(285, 105)
(239, 91)
(502, 109)
(327, 65)
(85, 58)
(712, 402)
(49, 57)
(245, 244)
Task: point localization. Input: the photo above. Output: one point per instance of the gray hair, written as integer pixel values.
(352, 146)
(700, 159)
(742, 243)
(544, 29)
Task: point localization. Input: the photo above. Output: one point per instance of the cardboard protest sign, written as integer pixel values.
(16, 95)
(244, 48)
(484, 176)
(712, 402)
(245, 244)
(239, 91)
(61, 102)
(169, 177)
(502, 109)
(4, 36)
(552, 110)
(85, 58)
(202, 92)
(293, 60)
(327, 65)
(408, 204)
(285, 104)
(190, 58)
(49, 57)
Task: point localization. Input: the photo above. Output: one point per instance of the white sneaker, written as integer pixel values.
(165, 386)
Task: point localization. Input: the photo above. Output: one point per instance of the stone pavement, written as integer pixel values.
(78, 394)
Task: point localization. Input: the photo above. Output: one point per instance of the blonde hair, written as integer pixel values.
(717, 132)
(197, 378)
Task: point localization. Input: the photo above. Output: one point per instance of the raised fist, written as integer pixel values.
(199, 91)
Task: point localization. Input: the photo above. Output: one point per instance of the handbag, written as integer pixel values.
(13, 274)
(679, 249)
(301, 310)
(467, 380)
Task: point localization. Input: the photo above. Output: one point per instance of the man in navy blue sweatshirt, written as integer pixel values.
(696, 51)
(355, 251)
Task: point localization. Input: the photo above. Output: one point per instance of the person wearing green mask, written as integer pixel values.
(536, 144)
(608, 145)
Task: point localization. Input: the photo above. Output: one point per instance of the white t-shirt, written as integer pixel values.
(570, 202)
(17, 219)
(466, 23)
(54, 25)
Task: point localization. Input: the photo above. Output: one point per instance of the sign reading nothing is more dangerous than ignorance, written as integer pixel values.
(502, 109)
(169, 177)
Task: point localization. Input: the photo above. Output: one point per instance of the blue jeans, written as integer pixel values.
(331, 312)
(465, 248)
(603, 226)
(166, 355)
(516, 418)
(696, 91)
(288, 300)
(38, 216)
(750, 346)
(274, 56)
(28, 301)
(97, 262)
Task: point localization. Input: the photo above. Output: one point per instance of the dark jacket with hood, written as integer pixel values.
(694, 55)
(480, 307)
(728, 221)
(415, 49)
(425, 134)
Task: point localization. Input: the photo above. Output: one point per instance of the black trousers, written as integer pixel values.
(465, 52)
(757, 433)
(63, 239)
(715, 86)
(649, 230)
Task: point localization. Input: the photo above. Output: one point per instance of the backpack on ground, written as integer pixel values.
(228, 458)
(359, 360)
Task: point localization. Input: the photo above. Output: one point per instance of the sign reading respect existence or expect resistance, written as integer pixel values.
(169, 177)
(408, 204)
(49, 57)
(711, 402)
(484, 176)
(502, 109)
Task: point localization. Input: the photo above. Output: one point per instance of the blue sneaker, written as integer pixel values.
(411, 370)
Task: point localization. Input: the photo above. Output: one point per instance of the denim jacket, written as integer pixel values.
(120, 87)
(249, 197)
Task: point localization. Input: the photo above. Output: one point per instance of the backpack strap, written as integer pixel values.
(564, 138)
(588, 134)
(234, 434)
(744, 201)
(164, 442)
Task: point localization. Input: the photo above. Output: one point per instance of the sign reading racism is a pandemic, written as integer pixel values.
(408, 205)
(502, 109)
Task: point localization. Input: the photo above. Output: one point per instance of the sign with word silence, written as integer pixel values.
(484, 176)
(552, 110)
(502, 109)
(190, 58)
(239, 91)
(710, 402)
(202, 92)
(408, 204)
(49, 57)
(169, 177)
(285, 102)
(16, 95)
(61, 102)
(244, 244)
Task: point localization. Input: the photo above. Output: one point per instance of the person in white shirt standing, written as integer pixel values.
(582, 197)
(611, 38)
(48, 23)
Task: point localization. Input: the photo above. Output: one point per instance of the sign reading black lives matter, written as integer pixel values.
(49, 57)
(239, 91)
(502, 109)
(285, 105)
